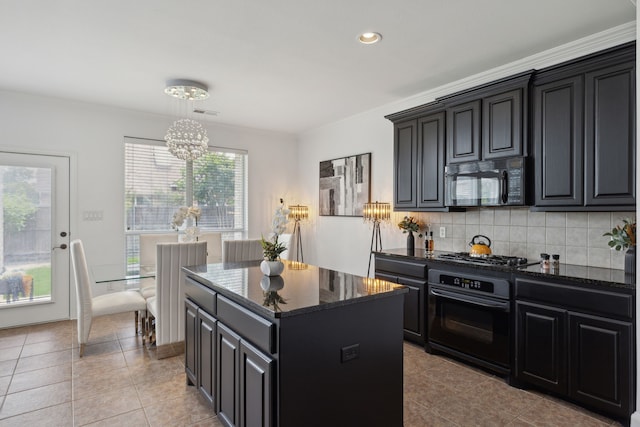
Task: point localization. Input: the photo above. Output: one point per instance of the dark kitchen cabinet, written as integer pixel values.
(463, 132)
(503, 124)
(190, 341)
(542, 349)
(558, 147)
(419, 156)
(228, 356)
(412, 274)
(206, 356)
(256, 386)
(610, 152)
(405, 165)
(488, 122)
(576, 342)
(601, 362)
(584, 133)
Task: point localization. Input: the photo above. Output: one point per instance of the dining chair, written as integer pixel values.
(214, 246)
(166, 308)
(148, 253)
(89, 306)
(241, 250)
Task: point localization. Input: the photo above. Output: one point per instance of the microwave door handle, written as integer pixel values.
(504, 183)
(456, 297)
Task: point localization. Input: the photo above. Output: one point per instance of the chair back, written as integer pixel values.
(83, 289)
(241, 250)
(170, 287)
(148, 251)
(214, 246)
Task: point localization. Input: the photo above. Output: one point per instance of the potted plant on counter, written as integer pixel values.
(271, 249)
(624, 238)
(410, 225)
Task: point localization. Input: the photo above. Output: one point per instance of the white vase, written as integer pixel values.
(271, 283)
(271, 268)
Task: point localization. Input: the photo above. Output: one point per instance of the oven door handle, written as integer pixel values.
(503, 306)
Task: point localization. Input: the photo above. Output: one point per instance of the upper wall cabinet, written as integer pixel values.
(488, 122)
(584, 133)
(418, 154)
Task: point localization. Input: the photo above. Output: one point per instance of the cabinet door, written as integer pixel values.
(600, 363)
(431, 148)
(610, 135)
(190, 341)
(463, 132)
(227, 370)
(206, 356)
(502, 121)
(405, 156)
(414, 306)
(256, 387)
(558, 143)
(541, 355)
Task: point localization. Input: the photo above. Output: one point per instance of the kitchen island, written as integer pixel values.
(311, 347)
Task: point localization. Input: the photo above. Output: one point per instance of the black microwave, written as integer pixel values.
(499, 182)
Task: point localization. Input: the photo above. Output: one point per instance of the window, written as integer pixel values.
(157, 184)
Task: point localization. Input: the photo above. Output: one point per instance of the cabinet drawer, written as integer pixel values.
(201, 295)
(250, 326)
(401, 267)
(575, 298)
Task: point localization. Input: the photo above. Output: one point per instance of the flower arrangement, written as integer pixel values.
(623, 237)
(181, 215)
(272, 248)
(409, 224)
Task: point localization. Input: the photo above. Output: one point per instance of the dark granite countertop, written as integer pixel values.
(301, 288)
(577, 274)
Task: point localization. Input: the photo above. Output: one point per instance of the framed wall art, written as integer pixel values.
(345, 185)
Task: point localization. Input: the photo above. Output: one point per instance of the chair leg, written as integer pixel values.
(136, 321)
(81, 350)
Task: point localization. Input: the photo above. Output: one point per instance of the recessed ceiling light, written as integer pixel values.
(369, 38)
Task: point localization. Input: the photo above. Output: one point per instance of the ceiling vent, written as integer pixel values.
(207, 112)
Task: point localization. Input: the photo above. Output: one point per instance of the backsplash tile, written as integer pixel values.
(576, 236)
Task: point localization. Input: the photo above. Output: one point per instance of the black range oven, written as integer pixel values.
(468, 317)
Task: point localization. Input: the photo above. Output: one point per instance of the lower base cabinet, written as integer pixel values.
(600, 362)
(582, 356)
(206, 337)
(233, 376)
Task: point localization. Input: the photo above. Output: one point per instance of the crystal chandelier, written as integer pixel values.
(186, 139)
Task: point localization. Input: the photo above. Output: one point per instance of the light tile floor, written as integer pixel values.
(43, 382)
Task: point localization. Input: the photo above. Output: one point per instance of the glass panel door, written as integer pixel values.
(34, 259)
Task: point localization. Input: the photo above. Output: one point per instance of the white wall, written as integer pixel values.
(343, 243)
(94, 136)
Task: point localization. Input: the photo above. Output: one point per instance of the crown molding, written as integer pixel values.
(593, 43)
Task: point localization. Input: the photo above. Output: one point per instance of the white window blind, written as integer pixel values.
(155, 187)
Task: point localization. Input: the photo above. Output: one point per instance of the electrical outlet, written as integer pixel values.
(350, 352)
(443, 232)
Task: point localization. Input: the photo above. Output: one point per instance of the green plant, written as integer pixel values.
(623, 237)
(408, 224)
(272, 249)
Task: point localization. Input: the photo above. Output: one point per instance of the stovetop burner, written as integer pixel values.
(503, 260)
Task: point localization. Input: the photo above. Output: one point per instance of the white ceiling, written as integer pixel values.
(286, 65)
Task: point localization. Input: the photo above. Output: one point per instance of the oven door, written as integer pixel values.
(470, 325)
